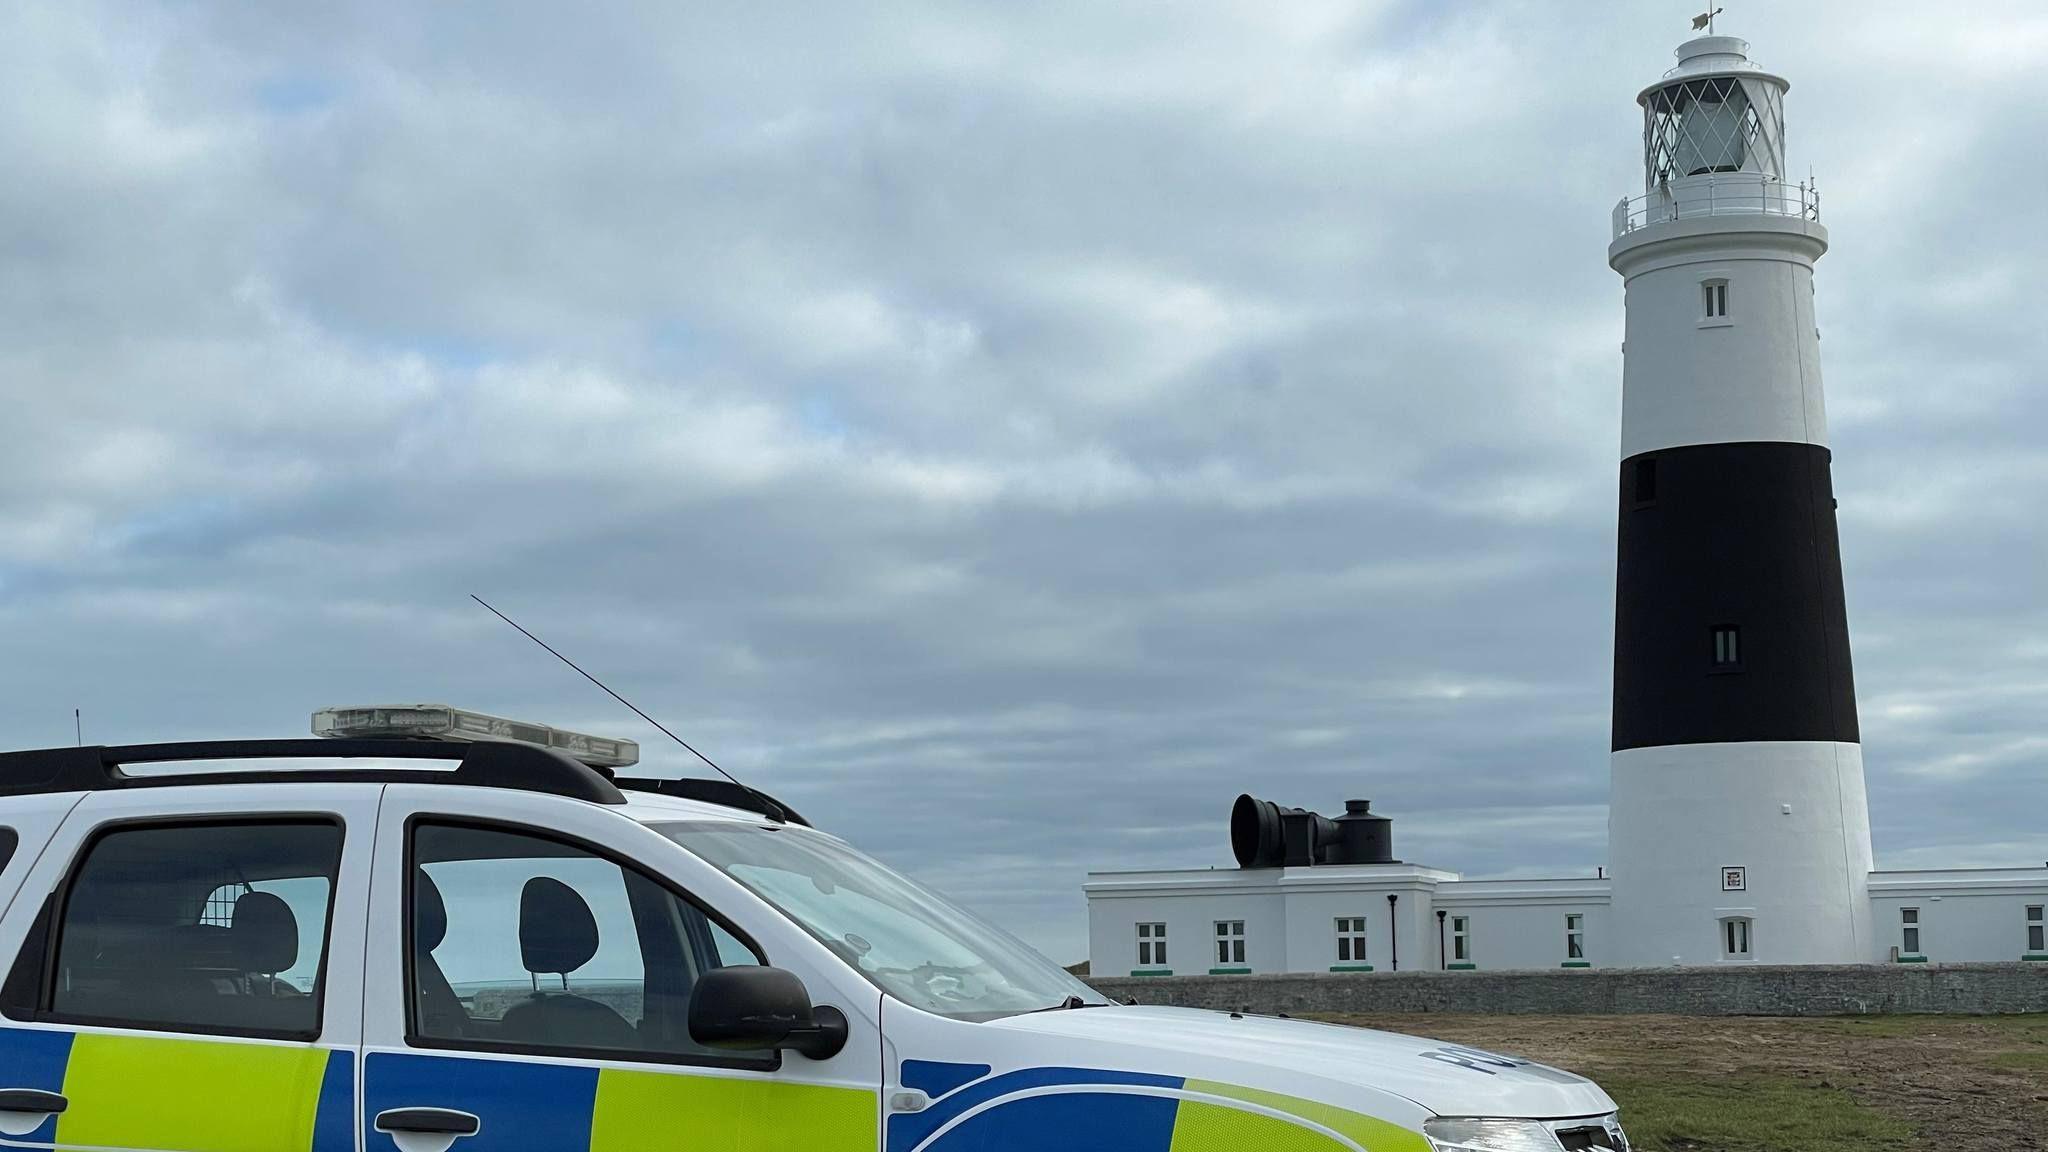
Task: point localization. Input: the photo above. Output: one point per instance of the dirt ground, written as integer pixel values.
(1958, 1083)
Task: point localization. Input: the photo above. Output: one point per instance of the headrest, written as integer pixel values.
(265, 932)
(429, 914)
(557, 933)
(192, 947)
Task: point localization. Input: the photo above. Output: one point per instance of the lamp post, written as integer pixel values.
(1393, 931)
(1443, 962)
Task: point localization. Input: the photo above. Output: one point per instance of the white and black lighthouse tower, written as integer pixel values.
(1739, 828)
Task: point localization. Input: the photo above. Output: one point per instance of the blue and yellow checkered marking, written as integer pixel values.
(528, 1106)
(1093, 1110)
(167, 1094)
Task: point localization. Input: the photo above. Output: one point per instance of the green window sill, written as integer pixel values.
(2035, 957)
(1912, 959)
(1463, 966)
(1577, 964)
(1350, 967)
(1152, 972)
(1230, 971)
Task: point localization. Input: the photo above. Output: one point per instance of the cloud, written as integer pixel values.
(1007, 431)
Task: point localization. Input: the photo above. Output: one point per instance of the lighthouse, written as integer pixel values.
(1739, 831)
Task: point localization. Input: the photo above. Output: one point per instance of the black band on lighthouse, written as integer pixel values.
(1729, 621)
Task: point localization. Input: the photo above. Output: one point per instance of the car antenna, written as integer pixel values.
(612, 694)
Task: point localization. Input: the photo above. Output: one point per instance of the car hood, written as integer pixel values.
(1258, 1051)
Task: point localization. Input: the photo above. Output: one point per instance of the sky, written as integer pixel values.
(1004, 431)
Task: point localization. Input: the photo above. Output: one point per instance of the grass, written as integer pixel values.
(1749, 1114)
(1788, 1085)
(1764, 1084)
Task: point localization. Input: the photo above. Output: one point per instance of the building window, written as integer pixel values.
(2035, 942)
(1909, 931)
(1735, 942)
(1461, 940)
(1575, 936)
(1229, 942)
(1350, 939)
(1716, 299)
(1151, 945)
(1727, 647)
(1645, 481)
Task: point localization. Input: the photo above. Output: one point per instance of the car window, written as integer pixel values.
(905, 939)
(524, 942)
(217, 928)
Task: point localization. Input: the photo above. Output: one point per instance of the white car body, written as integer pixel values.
(1100, 1077)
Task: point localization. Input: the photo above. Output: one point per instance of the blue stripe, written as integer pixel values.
(1077, 1121)
(334, 1128)
(935, 1078)
(34, 1058)
(525, 1107)
(908, 1130)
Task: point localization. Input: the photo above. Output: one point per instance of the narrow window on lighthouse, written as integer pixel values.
(1727, 647)
(1735, 938)
(2035, 941)
(1716, 293)
(1646, 481)
(1574, 936)
(1909, 931)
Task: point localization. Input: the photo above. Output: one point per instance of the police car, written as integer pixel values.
(523, 949)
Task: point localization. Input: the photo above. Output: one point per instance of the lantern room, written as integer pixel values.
(1716, 112)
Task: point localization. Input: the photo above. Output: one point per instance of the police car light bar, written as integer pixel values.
(441, 722)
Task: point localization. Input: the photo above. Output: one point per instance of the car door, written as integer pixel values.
(186, 972)
(529, 981)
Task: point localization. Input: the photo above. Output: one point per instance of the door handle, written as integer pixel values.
(34, 1101)
(428, 1121)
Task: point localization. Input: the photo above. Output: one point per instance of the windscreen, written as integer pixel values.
(909, 941)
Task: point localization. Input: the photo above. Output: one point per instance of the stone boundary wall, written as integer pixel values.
(1750, 990)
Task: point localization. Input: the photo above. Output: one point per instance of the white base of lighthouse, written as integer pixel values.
(1791, 816)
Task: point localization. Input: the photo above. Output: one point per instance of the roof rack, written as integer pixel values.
(493, 764)
(721, 792)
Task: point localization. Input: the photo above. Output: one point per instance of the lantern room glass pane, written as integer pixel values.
(1712, 124)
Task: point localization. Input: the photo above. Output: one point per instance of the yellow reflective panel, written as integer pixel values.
(1199, 1127)
(190, 1095)
(680, 1112)
(1370, 1133)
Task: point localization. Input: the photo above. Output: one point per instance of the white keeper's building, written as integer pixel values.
(1738, 827)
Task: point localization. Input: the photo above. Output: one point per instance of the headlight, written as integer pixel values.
(1473, 1135)
(1490, 1135)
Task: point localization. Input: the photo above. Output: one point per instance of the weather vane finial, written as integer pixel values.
(1705, 20)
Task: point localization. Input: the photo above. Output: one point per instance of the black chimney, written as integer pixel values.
(1362, 837)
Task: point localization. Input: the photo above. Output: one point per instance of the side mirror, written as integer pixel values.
(751, 1008)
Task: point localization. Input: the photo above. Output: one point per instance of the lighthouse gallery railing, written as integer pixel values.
(1731, 194)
